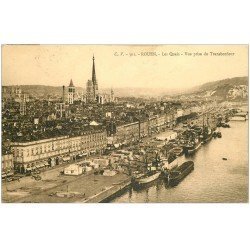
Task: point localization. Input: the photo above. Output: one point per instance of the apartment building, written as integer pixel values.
(28, 156)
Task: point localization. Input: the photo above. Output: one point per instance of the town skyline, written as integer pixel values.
(55, 65)
(69, 144)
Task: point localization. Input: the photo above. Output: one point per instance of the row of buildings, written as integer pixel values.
(27, 156)
(50, 152)
(35, 153)
(142, 128)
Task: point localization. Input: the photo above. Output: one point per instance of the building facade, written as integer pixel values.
(131, 132)
(7, 163)
(127, 133)
(28, 156)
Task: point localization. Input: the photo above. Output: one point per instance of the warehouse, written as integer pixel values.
(73, 169)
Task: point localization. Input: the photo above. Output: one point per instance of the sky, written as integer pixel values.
(117, 67)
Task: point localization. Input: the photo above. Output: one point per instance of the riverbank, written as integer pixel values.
(66, 189)
(110, 193)
(213, 180)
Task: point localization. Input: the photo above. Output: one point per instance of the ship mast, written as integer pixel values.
(203, 116)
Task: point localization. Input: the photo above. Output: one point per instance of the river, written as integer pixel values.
(213, 179)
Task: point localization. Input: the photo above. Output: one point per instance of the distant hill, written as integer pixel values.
(43, 90)
(228, 89)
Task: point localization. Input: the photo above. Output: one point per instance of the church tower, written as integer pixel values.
(94, 81)
(71, 92)
(89, 92)
(92, 87)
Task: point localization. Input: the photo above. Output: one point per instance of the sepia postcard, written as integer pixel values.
(124, 124)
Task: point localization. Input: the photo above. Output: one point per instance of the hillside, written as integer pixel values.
(228, 89)
(43, 90)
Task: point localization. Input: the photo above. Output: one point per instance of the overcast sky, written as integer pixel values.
(56, 64)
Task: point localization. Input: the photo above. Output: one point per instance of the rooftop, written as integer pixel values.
(71, 83)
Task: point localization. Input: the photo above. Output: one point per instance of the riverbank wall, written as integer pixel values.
(110, 193)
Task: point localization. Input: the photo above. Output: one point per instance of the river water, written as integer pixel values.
(213, 179)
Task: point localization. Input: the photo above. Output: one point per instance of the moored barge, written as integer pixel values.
(179, 173)
(150, 177)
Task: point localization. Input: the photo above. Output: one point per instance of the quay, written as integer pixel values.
(109, 193)
(84, 188)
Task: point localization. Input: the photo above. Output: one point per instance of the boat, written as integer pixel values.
(170, 162)
(191, 140)
(207, 130)
(150, 177)
(238, 118)
(225, 125)
(192, 146)
(214, 134)
(152, 171)
(137, 175)
(179, 173)
(207, 135)
(177, 151)
(217, 134)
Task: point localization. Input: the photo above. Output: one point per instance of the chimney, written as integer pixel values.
(63, 93)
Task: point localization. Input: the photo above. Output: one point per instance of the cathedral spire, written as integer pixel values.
(93, 72)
